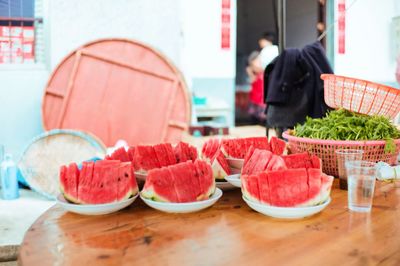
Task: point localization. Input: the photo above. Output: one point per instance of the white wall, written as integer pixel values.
(369, 52)
(301, 22)
(75, 22)
(202, 55)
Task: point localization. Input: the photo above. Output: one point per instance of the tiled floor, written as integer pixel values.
(18, 215)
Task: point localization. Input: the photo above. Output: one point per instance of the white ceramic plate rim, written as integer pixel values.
(265, 206)
(215, 196)
(61, 199)
(234, 180)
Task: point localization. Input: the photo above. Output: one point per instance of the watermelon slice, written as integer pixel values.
(276, 163)
(165, 154)
(103, 181)
(182, 182)
(278, 146)
(160, 186)
(119, 154)
(302, 160)
(206, 179)
(212, 153)
(250, 188)
(69, 178)
(258, 161)
(238, 147)
(185, 152)
(144, 158)
(219, 165)
(288, 188)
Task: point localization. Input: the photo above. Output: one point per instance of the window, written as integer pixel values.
(20, 31)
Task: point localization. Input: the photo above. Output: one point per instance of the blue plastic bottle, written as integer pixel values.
(8, 176)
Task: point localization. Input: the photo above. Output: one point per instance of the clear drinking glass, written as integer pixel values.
(343, 156)
(361, 184)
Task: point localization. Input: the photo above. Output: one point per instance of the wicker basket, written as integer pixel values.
(361, 96)
(325, 149)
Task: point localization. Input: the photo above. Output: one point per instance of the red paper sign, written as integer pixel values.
(225, 24)
(342, 26)
(16, 44)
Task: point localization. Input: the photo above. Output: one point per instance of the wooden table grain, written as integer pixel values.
(228, 233)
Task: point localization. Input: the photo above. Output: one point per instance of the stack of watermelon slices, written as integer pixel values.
(216, 151)
(183, 182)
(147, 157)
(288, 181)
(103, 181)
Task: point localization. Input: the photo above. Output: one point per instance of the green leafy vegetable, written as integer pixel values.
(346, 125)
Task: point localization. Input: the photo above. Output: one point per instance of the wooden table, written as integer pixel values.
(228, 233)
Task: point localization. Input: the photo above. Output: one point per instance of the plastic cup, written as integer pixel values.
(343, 156)
(361, 184)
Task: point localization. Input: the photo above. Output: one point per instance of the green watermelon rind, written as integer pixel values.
(151, 195)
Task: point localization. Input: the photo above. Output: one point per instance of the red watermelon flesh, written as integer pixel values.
(119, 154)
(102, 190)
(316, 162)
(206, 179)
(238, 148)
(103, 181)
(179, 182)
(297, 160)
(145, 158)
(250, 188)
(71, 180)
(185, 152)
(63, 177)
(186, 184)
(278, 146)
(314, 185)
(263, 161)
(220, 166)
(258, 162)
(251, 162)
(165, 154)
(248, 156)
(276, 163)
(213, 146)
(127, 185)
(262, 143)
(263, 184)
(131, 153)
(85, 180)
(160, 186)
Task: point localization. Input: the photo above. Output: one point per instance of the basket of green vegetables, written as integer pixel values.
(341, 129)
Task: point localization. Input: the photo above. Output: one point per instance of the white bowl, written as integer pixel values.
(235, 162)
(286, 212)
(94, 209)
(224, 185)
(186, 207)
(234, 180)
(140, 176)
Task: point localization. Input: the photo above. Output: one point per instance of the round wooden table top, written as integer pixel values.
(228, 233)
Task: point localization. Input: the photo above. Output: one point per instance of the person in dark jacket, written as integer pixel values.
(293, 88)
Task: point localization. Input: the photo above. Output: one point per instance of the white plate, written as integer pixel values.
(234, 180)
(286, 212)
(224, 185)
(183, 207)
(94, 209)
(235, 163)
(140, 176)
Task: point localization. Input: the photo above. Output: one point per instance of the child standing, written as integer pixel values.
(256, 96)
